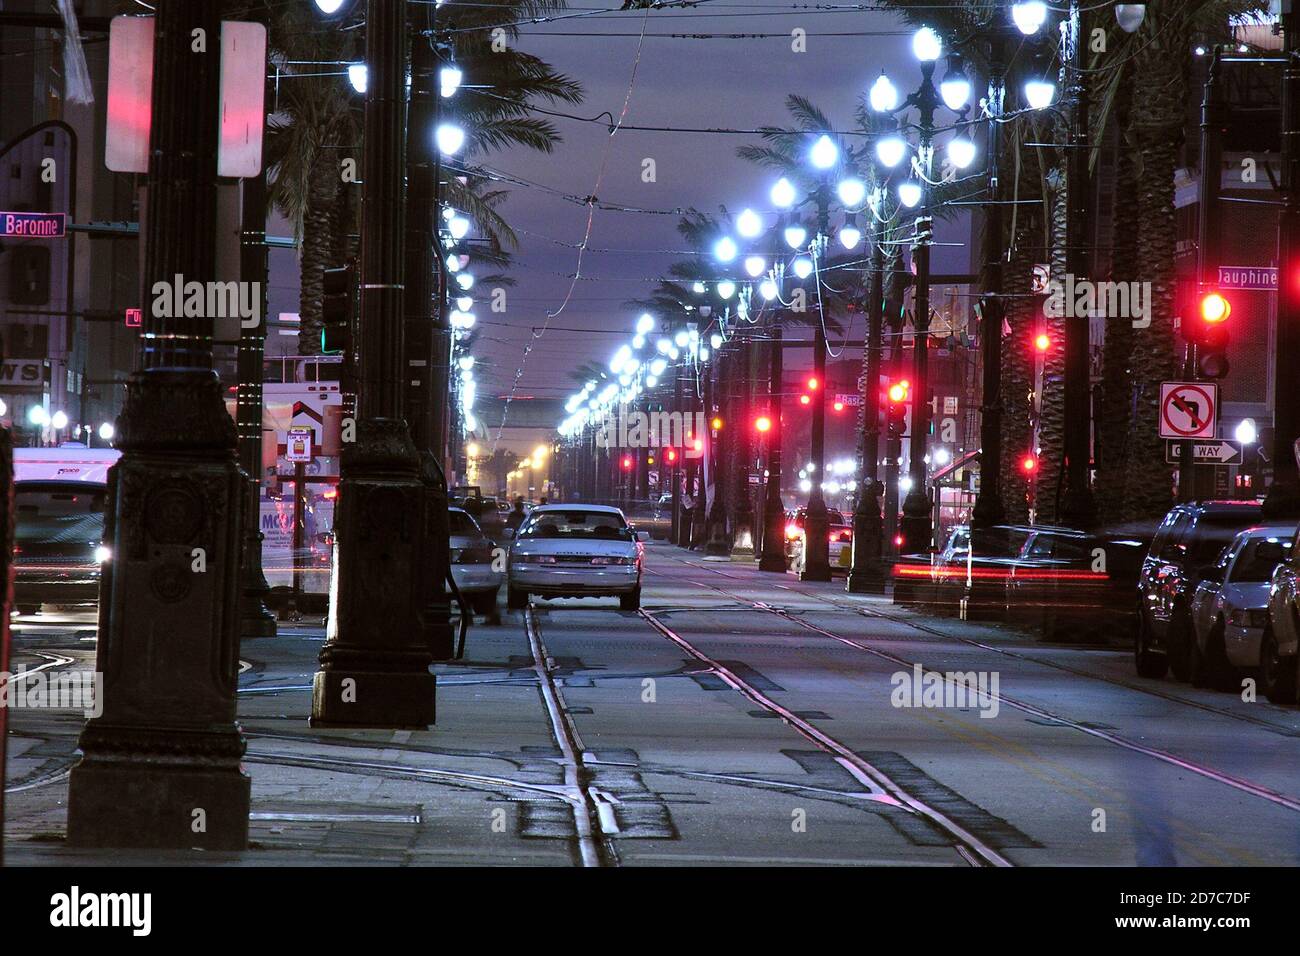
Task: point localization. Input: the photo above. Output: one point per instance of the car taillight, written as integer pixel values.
(792, 531)
(841, 536)
(611, 560)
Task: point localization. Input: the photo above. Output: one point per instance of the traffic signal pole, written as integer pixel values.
(1283, 500)
(1209, 223)
(375, 663)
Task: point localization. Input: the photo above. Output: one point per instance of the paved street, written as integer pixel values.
(738, 719)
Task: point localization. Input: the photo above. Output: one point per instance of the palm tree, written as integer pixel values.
(317, 126)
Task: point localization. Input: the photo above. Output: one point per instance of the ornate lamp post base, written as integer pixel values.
(160, 764)
(255, 619)
(817, 529)
(375, 662)
(868, 575)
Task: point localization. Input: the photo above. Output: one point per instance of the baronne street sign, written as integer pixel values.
(34, 225)
(1218, 451)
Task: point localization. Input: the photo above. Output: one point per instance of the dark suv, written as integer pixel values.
(1185, 548)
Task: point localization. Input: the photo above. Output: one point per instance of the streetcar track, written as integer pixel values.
(1218, 776)
(592, 814)
(877, 782)
(871, 612)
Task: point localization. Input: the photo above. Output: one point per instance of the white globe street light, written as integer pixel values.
(107, 431)
(850, 235)
(782, 194)
(1039, 93)
(59, 421)
(955, 88)
(767, 289)
(1029, 16)
(37, 415)
(449, 78)
(890, 150)
(724, 250)
(961, 151)
(754, 266)
(358, 76)
(1130, 16)
(795, 236)
(645, 324)
(883, 94)
(803, 267)
(450, 138)
(726, 289)
(926, 45)
(852, 192)
(824, 153)
(1246, 432)
(748, 224)
(909, 193)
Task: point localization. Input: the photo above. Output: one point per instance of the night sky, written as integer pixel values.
(679, 82)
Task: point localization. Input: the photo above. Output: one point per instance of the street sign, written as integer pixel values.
(755, 479)
(849, 398)
(1219, 451)
(34, 225)
(297, 445)
(134, 318)
(1188, 409)
(1248, 277)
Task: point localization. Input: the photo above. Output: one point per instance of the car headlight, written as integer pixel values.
(103, 553)
(1256, 617)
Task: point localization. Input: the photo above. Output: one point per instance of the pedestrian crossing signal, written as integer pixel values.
(338, 308)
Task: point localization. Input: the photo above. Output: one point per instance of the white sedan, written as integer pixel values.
(575, 551)
(474, 567)
(1230, 607)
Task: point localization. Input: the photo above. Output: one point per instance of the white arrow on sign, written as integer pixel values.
(1219, 452)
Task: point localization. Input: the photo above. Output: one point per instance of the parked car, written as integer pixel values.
(794, 536)
(569, 551)
(1230, 606)
(1279, 652)
(477, 576)
(839, 541)
(1186, 546)
(58, 543)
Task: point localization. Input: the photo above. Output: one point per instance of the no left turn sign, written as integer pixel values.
(1188, 409)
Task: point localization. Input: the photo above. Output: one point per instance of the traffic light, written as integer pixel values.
(812, 384)
(1211, 336)
(1029, 465)
(670, 456)
(763, 423)
(338, 306)
(805, 400)
(1042, 342)
(717, 423)
(896, 413)
(628, 462)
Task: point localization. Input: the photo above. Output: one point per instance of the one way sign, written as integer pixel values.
(1217, 452)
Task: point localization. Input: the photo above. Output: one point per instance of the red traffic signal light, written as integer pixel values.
(812, 384)
(1215, 309)
(627, 462)
(804, 400)
(1043, 342)
(838, 406)
(1029, 464)
(763, 423)
(670, 455)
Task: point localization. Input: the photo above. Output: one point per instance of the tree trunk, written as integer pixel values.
(317, 251)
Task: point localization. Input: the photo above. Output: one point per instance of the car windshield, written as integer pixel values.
(462, 525)
(576, 524)
(1258, 559)
(59, 513)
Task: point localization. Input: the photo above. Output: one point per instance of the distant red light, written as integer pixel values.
(839, 406)
(804, 400)
(898, 540)
(812, 384)
(763, 424)
(1029, 464)
(1043, 342)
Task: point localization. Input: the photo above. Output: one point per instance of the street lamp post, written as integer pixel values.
(1283, 499)
(166, 743)
(773, 554)
(816, 557)
(375, 663)
(1078, 508)
(867, 575)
